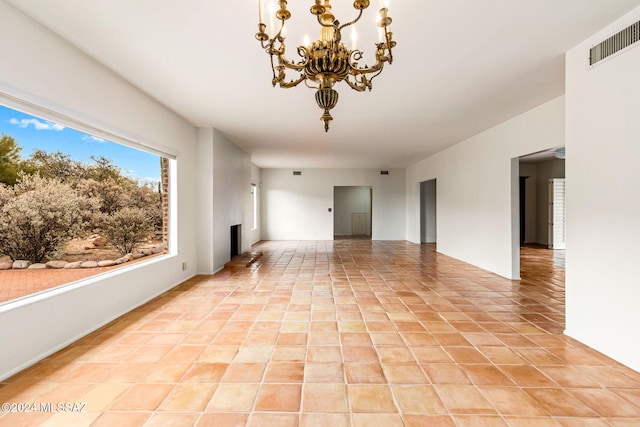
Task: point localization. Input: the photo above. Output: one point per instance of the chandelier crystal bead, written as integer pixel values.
(326, 61)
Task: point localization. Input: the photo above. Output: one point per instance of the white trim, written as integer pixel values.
(172, 244)
(70, 286)
(31, 104)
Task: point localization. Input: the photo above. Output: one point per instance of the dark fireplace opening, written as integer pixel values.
(236, 240)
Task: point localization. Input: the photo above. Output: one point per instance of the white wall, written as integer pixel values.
(603, 207)
(256, 179)
(204, 191)
(348, 200)
(224, 196)
(296, 207)
(40, 68)
(476, 219)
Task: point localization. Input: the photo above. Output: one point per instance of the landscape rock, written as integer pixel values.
(73, 265)
(6, 263)
(57, 264)
(98, 242)
(89, 264)
(38, 266)
(123, 259)
(21, 264)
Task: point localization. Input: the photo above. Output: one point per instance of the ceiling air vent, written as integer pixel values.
(615, 43)
(297, 173)
(384, 172)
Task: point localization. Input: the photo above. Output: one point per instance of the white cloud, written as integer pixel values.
(37, 124)
(92, 138)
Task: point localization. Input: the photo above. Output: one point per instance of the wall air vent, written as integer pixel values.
(384, 172)
(615, 43)
(297, 173)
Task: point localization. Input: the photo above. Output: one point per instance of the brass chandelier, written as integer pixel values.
(327, 60)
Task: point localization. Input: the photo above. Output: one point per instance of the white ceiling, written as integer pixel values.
(460, 67)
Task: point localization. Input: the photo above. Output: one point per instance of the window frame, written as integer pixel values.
(26, 103)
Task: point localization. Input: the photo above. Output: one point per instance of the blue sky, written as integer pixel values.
(31, 132)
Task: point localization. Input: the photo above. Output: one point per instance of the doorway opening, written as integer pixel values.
(538, 226)
(428, 212)
(541, 195)
(236, 240)
(352, 216)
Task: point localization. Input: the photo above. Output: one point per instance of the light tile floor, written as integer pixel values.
(343, 333)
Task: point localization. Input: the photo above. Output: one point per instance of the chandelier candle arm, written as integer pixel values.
(326, 61)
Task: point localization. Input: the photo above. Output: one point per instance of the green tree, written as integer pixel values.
(10, 161)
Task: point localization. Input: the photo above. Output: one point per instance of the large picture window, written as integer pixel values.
(74, 204)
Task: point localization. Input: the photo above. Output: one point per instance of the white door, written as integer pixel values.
(359, 224)
(557, 215)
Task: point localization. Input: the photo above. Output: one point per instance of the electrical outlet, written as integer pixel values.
(184, 266)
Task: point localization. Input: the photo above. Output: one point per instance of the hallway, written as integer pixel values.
(339, 333)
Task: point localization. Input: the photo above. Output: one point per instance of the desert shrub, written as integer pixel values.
(53, 165)
(39, 216)
(110, 195)
(147, 197)
(5, 194)
(126, 229)
(106, 183)
(102, 169)
(102, 190)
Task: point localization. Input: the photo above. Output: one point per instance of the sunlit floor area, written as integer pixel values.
(338, 333)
